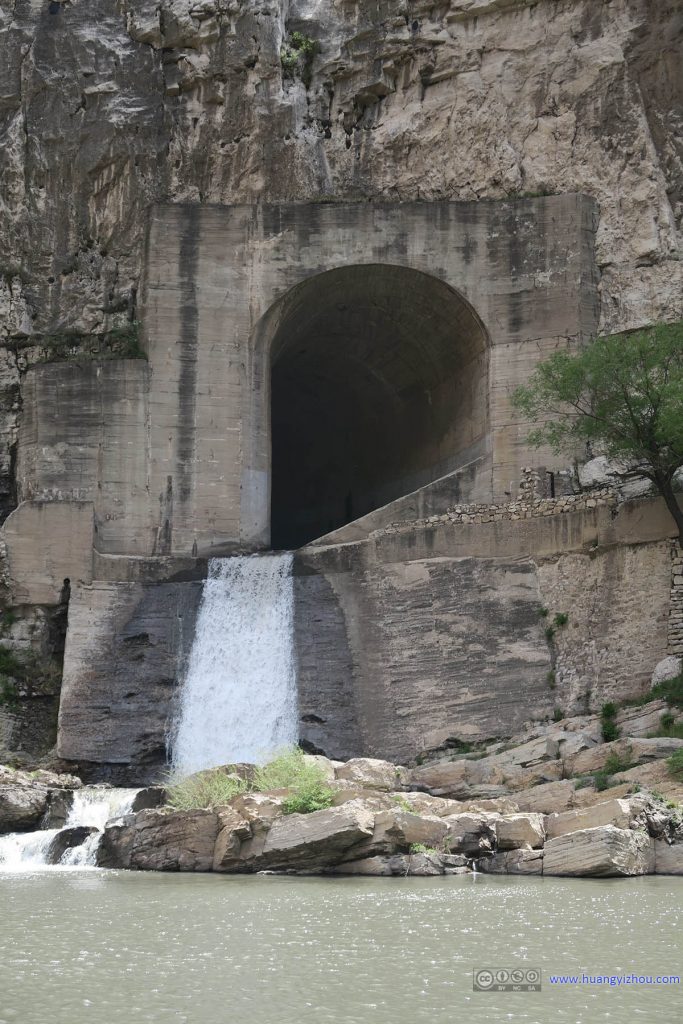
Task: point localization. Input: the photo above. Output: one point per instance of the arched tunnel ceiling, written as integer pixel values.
(377, 379)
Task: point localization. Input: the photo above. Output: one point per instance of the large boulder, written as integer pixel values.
(519, 768)
(65, 840)
(59, 805)
(619, 813)
(547, 798)
(668, 859)
(21, 806)
(641, 721)
(520, 831)
(632, 750)
(471, 834)
(158, 840)
(372, 773)
(396, 830)
(599, 852)
(307, 841)
(233, 831)
(667, 668)
(513, 862)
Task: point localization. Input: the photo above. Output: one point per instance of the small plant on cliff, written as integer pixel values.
(298, 56)
(212, 788)
(608, 723)
(668, 727)
(674, 765)
(561, 619)
(622, 394)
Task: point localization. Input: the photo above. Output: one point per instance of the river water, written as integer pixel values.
(100, 947)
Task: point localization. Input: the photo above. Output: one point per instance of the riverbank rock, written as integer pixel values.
(396, 830)
(471, 834)
(619, 813)
(631, 750)
(316, 840)
(547, 798)
(233, 831)
(66, 840)
(156, 840)
(372, 773)
(520, 831)
(668, 858)
(599, 852)
(21, 806)
(513, 862)
(25, 797)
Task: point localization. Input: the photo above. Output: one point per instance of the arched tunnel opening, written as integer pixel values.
(378, 386)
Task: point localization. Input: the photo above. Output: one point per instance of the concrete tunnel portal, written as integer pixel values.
(379, 385)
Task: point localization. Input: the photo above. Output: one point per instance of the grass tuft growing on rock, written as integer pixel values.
(306, 780)
(205, 790)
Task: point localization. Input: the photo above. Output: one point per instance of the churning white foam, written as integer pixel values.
(239, 701)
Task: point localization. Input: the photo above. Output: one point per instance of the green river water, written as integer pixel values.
(81, 946)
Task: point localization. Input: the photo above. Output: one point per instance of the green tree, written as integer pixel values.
(622, 393)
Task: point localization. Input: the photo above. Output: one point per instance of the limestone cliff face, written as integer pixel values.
(109, 105)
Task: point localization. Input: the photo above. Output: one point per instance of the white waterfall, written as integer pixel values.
(239, 701)
(93, 806)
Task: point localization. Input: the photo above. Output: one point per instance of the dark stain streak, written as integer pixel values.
(187, 378)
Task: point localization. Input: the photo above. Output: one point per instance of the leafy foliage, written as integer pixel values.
(608, 716)
(622, 393)
(305, 780)
(298, 56)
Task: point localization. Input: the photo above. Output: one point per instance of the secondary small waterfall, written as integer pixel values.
(92, 807)
(239, 700)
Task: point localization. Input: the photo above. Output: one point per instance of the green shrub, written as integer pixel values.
(561, 619)
(551, 679)
(549, 633)
(9, 697)
(421, 848)
(558, 715)
(315, 796)
(542, 613)
(615, 763)
(671, 690)
(306, 780)
(207, 789)
(674, 765)
(298, 55)
(10, 664)
(608, 715)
